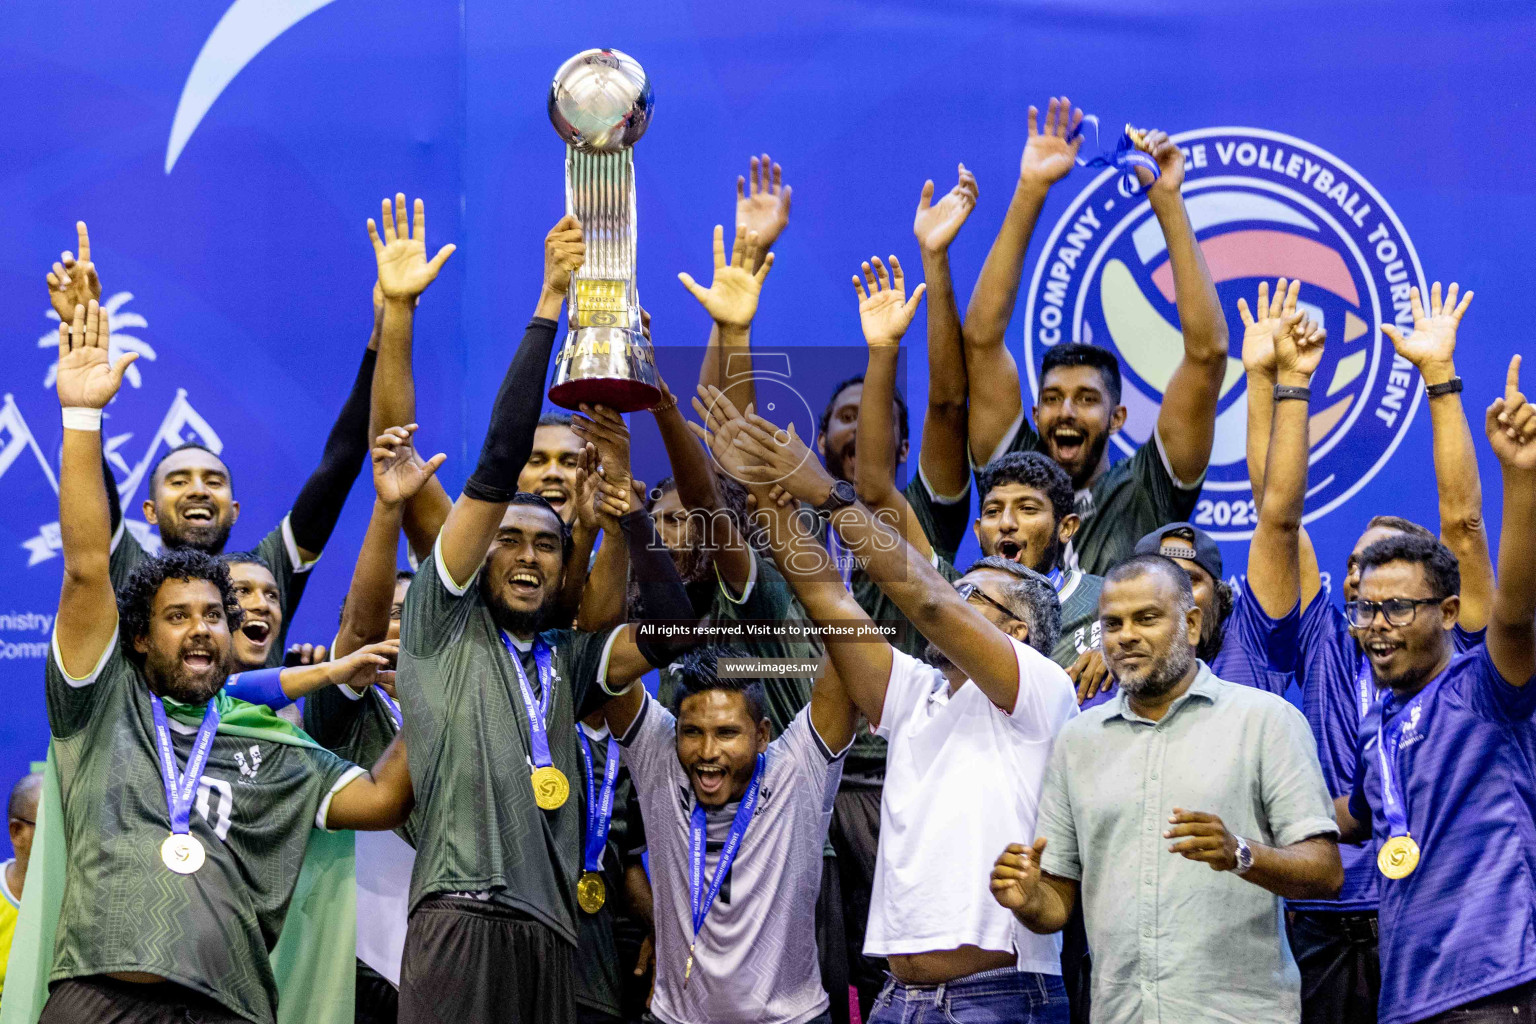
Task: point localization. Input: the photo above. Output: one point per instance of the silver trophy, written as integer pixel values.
(601, 103)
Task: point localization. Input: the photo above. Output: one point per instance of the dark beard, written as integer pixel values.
(1050, 558)
(1211, 640)
(693, 563)
(521, 623)
(1163, 676)
(178, 684)
(208, 539)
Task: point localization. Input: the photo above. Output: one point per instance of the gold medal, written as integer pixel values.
(182, 853)
(591, 892)
(1398, 857)
(550, 787)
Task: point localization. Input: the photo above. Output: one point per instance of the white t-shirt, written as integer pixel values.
(962, 781)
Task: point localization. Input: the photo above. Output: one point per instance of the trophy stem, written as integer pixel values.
(606, 358)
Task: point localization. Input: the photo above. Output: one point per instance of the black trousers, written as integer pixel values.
(1514, 1005)
(467, 962)
(832, 940)
(1077, 966)
(103, 1000)
(378, 1002)
(855, 836)
(1340, 965)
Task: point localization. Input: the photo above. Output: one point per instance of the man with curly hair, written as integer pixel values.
(133, 692)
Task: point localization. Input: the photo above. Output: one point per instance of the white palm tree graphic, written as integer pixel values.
(121, 343)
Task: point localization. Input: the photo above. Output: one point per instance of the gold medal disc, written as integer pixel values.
(182, 853)
(591, 892)
(1399, 856)
(550, 787)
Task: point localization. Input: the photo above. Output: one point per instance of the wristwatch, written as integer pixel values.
(842, 496)
(1244, 856)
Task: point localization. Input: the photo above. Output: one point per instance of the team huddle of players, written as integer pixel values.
(1068, 787)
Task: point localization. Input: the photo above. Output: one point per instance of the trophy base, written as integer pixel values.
(609, 366)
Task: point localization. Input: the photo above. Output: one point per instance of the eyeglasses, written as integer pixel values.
(970, 590)
(1398, 611)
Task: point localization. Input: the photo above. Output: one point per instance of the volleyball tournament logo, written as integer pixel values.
(1264, 205)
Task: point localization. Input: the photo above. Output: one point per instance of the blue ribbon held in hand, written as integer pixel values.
(1125, 156)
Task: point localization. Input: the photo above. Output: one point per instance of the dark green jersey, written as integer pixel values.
(358, 729)
(599, 981)
(478, 828)
(944, 520)
(766, 597)
(1133, 498)
(278, 549)
(123, 910)
(1079, 596)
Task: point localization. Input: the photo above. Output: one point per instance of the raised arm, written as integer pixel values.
(87, 381)
(731, 301)
(279, 687)
(929, 602)
(1259, 366)
(885, 313)
(1511, 428)
(943, 454)
(476, 515)
(699, 493)
(991, 374)
(404, 274)
(399, 475)
(1186, 423)
(762, 208)
(1432, 349)
(1274, 555)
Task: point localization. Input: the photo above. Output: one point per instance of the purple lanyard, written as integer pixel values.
(181, 789)
(538, 712)
(700, 900)
(1389, 741)
(393, 706)
(599, 803)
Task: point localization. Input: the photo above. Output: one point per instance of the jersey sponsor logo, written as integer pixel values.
(1086, 638)
(1263, 205)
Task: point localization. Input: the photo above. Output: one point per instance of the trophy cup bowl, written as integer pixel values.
(601, 103)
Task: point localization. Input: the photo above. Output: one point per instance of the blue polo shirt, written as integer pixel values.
(1328, 668)
(1257, 650)
(1463, 925)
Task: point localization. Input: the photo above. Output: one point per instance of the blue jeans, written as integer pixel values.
(1003, 996)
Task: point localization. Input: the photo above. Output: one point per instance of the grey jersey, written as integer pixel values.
(756, 954)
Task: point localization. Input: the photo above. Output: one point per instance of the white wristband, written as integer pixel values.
(78, 417)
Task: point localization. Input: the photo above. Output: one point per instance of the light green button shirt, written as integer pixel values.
(1173, 941)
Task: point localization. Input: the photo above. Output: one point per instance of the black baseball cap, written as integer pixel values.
(1196, 546)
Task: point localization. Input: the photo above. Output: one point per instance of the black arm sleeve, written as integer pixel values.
(114, 503)
(514, 417)
(318, 505)
(662, 595)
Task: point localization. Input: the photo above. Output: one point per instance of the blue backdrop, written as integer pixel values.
(226, 157)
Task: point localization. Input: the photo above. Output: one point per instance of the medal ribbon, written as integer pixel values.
(700, 900)
(600, 803)
(394, 706)
(538, 712)
(1389, 739)
(1365, 687)
(1057, 578)
(1125, 156)
(181, 789)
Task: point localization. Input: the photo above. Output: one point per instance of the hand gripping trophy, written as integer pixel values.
(601, 103)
